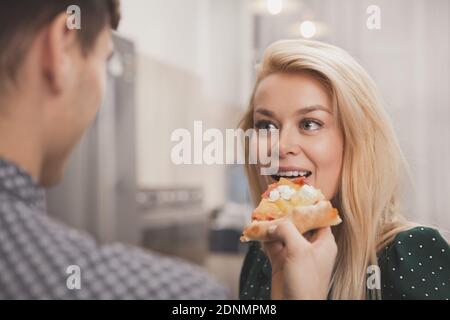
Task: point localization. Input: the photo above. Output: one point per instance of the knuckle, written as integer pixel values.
(283, 227)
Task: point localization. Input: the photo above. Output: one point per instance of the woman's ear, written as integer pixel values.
(58, 47)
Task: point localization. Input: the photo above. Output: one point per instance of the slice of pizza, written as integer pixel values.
(293, 199)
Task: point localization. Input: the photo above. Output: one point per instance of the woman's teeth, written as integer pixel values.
(293, 174)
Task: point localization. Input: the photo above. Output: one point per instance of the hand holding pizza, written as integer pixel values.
(301, 268)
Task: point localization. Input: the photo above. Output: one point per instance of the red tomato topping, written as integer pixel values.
(300, 181)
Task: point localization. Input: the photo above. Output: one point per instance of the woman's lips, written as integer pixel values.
(291, 174)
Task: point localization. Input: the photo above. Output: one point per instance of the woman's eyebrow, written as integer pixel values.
(316, 107)
(305, 110)
(264, 112)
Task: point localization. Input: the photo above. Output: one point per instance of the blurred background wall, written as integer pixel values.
(178, 61)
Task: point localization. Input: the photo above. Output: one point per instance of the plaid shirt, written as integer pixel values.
(43, 259)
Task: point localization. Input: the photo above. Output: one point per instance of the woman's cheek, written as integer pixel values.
(326, 155)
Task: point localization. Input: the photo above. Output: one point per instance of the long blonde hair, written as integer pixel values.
(373, 164)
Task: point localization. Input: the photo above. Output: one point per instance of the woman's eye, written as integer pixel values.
(310, 125)
(264, 124)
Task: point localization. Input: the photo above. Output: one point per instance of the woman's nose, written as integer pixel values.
(289, 143)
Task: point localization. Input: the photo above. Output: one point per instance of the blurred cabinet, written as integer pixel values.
(174, 222)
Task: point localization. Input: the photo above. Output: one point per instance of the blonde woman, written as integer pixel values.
(335, 131)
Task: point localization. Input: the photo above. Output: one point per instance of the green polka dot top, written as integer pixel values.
(416, 265)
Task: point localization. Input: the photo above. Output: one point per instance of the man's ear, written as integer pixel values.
(59, 46)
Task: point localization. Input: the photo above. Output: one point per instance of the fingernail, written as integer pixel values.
(272, 229)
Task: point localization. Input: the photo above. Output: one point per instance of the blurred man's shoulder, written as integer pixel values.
(53, 260)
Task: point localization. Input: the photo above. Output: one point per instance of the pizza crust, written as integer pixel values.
(305, 218)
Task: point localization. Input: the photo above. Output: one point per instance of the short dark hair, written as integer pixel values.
(21, 20)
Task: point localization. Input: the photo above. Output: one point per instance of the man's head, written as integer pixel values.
(52, 79)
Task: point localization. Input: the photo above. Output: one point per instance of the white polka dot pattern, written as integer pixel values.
(418, 266)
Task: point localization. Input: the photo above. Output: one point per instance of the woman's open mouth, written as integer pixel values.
(291, 174)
